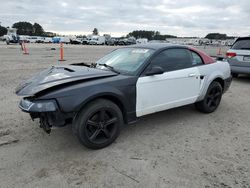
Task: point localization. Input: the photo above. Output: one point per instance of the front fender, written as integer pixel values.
(73, 103)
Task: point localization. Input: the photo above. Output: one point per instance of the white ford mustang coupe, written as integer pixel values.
(122, 86)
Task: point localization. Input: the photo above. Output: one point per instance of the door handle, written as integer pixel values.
(192, 75)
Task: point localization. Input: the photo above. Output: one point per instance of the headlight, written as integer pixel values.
(38, 106)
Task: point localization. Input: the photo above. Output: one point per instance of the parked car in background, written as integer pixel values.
(85, 41)
(107, 37)
(121, 87)
(238, 56)
(97, 40)
(76, 41)
(40, 39)
(65, 40)
(127, 41)
(56, 39)
(111, 42)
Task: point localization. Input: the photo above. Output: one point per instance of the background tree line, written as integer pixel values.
(150, 35)
(218, 36)
(3, 30)
(155, 35)
(26, 28)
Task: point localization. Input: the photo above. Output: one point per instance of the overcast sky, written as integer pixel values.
(181, 18)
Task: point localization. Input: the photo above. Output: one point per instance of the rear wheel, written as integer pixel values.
(98, 124)
(212, 99)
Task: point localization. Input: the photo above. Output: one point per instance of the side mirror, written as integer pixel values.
(154, 70)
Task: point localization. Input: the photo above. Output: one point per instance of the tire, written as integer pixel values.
(212, 98)
(98, 124)
(235, 75)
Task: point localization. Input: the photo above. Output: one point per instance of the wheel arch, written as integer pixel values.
(220, 81)
(208, 82)
(108, 96)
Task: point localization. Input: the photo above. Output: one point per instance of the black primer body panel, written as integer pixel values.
(120, 89)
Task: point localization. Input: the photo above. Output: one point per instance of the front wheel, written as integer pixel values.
(212, 99)
(98, 124)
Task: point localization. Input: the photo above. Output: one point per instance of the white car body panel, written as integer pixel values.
(171, 89)
(177, 88)
(220, 69)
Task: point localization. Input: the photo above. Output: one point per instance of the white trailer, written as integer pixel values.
(48, 40)
(11, 36)
(23, 38)
(32, 39)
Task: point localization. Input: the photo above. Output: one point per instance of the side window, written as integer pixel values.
(173, 59)
(196, 59)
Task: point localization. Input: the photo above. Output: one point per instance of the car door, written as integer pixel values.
(177, 86)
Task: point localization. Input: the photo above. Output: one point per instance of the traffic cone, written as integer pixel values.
(25, 50)
(219, 52)
(61, 52)
(21, 44)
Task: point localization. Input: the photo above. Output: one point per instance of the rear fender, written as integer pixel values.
(211, 72)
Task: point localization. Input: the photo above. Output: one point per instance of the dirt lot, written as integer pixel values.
(175, 148)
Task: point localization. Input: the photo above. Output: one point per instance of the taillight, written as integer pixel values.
(230, 54)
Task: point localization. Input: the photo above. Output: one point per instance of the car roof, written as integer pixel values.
(243, 38)
(157, 46)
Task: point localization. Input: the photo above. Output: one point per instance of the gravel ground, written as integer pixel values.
(176, 148)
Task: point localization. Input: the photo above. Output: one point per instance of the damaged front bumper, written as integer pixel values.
(47, 111)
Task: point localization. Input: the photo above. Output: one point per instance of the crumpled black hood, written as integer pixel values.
(59, 75)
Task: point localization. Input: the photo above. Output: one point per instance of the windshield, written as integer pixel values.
(125, 60)
(242, 44)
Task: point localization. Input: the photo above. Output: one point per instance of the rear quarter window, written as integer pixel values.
(196, 59)
(243, 44)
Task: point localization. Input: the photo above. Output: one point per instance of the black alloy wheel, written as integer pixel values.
(212, 99)
(98, 124)
(101, 126)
